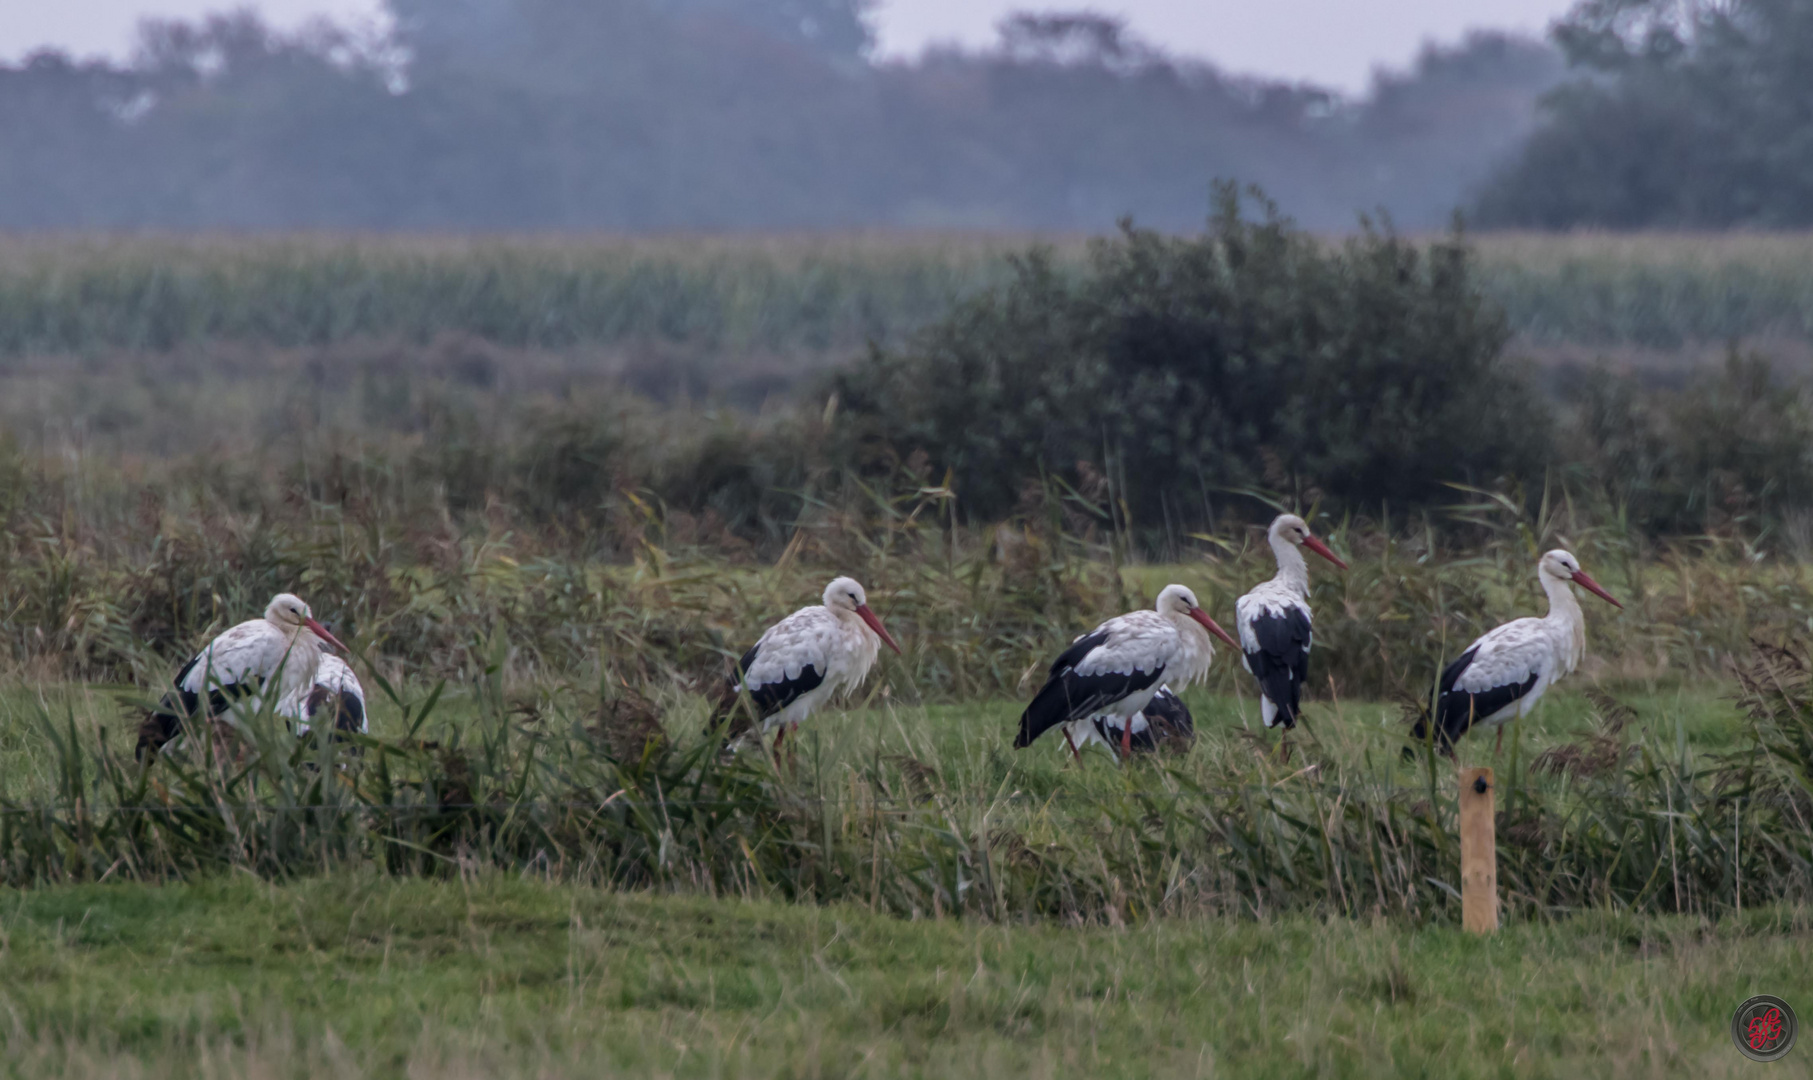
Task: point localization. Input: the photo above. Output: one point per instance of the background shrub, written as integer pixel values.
(1370, 372)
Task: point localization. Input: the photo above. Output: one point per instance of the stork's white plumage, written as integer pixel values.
(804, 660)
(1275, 623)
(334, 698)
(1505, 672)
(233, 673)
(1113, 671)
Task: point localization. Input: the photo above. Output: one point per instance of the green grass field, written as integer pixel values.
(353, 975)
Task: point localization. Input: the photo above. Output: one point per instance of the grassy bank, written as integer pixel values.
(357, 976)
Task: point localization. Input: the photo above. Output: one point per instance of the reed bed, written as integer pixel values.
(590, 789)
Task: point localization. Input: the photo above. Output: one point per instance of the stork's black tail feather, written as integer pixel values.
(1049, 708)
(1418, 712)
(1281, 686)
(159, 726)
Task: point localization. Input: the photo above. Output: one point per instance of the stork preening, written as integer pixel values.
(1113, 672)
(1505, 672)
(232, 676)
(1165, 723)
(1275, 623)
(333, 699)
(804, 660)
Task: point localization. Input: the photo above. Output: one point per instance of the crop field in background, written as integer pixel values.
(786, 295)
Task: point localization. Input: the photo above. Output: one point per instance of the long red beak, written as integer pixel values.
(1593, 587)
(1214, 627)
(875, 625)
(1321, 549)
(321, 632)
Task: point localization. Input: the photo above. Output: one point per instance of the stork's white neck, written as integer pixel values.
(1292, 570)
(1195, 650)
(1565, 618)
(301, 656)
(862, 647)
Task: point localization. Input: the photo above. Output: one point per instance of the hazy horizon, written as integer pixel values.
(1333, 43)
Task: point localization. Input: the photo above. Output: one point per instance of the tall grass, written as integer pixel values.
(571, 790)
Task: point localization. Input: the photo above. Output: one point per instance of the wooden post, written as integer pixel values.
(1478, 853)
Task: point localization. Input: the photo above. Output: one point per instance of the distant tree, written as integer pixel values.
(1682, 114)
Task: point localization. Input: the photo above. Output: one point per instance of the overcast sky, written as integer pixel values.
(1332, 42)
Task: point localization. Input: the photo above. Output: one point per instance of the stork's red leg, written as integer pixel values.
(1075, 754)
(1499, 743)
(1127, 738)
(780, 736)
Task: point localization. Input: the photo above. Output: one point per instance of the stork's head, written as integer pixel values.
(1179, 600)
(1294, 530)
(844, 594)
(290, 613)
(1562, 564)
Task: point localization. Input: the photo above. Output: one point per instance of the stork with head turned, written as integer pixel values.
(277, 656)
(804, 660)
(1164, 724)
(1115, 670)
(1505, 672)
(333, 699)
(1276, 625)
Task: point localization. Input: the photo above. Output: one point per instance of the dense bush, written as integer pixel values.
(1254, 354)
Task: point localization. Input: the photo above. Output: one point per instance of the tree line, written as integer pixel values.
(722, 114)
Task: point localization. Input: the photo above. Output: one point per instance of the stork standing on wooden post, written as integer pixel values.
(233, 673)
(1115, 670)
(1275, 623)
(1505, 672)
(801, 662)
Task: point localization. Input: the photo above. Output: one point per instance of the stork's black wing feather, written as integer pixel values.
(1169, 718)
(1458, 667)
(1079, 648)
(768, 698)
(178, 705)
(348, 710)
(1456, 711)
(1281, 662)
(1070, 695)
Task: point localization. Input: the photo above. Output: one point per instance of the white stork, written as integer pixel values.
(1113, 671)
(334, 698)
(231, 672)
(802, 661)
(1164, 722)
(1276, 625)
(1504, 673)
